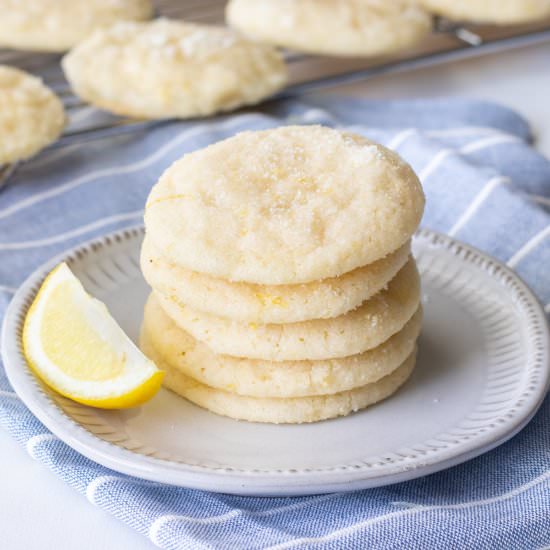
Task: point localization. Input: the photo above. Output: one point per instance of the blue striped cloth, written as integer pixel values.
(485, 184)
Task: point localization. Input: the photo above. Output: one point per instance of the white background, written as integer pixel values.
(38, 511)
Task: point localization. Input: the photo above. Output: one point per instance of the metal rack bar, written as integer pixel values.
(465, 35)
(416, 63)
(117, 128)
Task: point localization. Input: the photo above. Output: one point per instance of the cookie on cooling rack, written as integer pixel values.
(31, 115)
(172, 69)
(57, 25)
(500, 12)
(332, 27)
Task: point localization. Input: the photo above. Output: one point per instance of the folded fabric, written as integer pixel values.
(484, 184)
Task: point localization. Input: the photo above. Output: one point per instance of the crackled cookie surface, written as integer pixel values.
(284, 206)
(58, 25)
(333, 27)
(167, 68)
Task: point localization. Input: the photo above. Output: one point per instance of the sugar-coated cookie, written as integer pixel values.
(171, 69)
(31, 115)
(259, 378)
(58, 25)
(248, 302)
(333, 27)
(354, 332)
(500, 12)
(294, 410)
(284, 206)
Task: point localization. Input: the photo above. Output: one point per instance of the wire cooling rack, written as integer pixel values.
(448, 42)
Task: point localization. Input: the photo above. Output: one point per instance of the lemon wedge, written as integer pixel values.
(74, 345)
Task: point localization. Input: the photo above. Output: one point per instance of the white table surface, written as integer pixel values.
(38, 511)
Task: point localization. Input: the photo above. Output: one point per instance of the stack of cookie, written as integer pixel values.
(283, 286)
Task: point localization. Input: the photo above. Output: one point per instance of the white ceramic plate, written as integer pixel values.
(482, 372)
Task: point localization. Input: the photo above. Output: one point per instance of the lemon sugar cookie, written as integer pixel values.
(295, 410)
(284, 206)
(31, 115)
(171, 69)
(332, 27)
(57, 25)
(354, 332)
(247, 302)
(500, 12)
(259, 378)
(283, 289)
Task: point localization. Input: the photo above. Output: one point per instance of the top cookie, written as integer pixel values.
(167, 68)
(333, 27)
(57, 25)
(284, 206)
(31, 115)
(501, 12)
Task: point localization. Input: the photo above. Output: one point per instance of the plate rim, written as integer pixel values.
(277, 482)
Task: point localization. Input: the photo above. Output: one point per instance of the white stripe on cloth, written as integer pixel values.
(8, 289)
(476, 203)
(12, 394)
(401, 137)
(528, 247)
(36, 440)
(311, 115)
(477, 145)
(411, 512)
(127, 168)
(94, 485)
(72, 233)
(159, 523)
(82, 114)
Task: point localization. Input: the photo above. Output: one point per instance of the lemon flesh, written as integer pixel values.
(74, 345)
